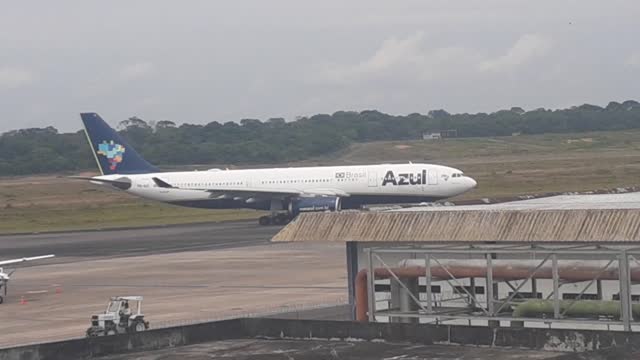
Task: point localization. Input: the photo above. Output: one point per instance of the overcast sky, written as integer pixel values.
(200, 61)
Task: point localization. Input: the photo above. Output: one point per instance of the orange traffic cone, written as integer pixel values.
(23, 301)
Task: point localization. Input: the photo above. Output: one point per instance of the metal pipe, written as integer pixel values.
(571, 270)
(585, 308)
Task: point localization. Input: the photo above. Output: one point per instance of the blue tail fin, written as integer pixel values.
(113, 154)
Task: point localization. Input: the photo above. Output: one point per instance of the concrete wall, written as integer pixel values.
(541, 339)
(106, 345)
(337, 313)
(553, 340)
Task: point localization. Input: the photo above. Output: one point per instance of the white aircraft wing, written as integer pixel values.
(17, 261)
(326, 192)
(258, 192)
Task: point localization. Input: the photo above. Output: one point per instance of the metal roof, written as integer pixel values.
(580, 218)
(561, 202)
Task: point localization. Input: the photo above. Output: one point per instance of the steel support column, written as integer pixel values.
(556, 286)
(490, 285)
(371, 288)
(428, 283)
(352, 272)
(625, 290)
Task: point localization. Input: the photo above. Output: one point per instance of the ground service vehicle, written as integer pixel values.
(118, 318)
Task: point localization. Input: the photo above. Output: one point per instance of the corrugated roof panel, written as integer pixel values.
(593, 225)
(561, 202)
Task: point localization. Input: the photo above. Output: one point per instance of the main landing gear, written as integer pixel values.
(274, 219)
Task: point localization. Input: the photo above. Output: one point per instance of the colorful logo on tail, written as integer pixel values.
(113, 153)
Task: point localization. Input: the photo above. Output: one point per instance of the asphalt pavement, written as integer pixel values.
(136, 242)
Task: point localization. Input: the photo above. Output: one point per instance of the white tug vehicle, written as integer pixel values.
(118, 318)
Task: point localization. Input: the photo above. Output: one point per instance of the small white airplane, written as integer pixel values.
(284, 192)
(6, 276)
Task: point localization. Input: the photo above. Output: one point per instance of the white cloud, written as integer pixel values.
(12, 78)
(527, 48)
(401, 58)
(394, 52)
(137, 71)
(634, 59)
(411, 59)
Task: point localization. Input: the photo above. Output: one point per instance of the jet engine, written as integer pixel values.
(314, 204)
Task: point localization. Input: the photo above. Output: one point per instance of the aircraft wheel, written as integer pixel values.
(281, 219)
(264, 220)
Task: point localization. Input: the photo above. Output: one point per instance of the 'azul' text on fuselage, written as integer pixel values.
(419, 178)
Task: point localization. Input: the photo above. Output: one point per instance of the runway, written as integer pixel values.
(138, 242)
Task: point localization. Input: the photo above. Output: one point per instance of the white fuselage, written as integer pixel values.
(358, 185)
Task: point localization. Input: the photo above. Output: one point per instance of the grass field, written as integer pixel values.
(503, 166)
(38, 204)
(506, 166)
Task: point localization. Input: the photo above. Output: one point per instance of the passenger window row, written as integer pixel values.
(263, 182)
(203, 185)
(300, 181)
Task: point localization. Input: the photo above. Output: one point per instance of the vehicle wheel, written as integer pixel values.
(1, 299)
(139, 326)
(264, 220)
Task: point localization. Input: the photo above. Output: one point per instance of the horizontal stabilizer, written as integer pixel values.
(122, 183)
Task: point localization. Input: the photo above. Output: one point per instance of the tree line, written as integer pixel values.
(251, 141)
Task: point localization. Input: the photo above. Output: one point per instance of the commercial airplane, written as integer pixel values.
(6, 276)
(284, 192)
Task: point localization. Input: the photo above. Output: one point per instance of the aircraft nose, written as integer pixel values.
(472, 183)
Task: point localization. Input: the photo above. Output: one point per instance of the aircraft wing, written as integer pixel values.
(258, 192)
(17, 261)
